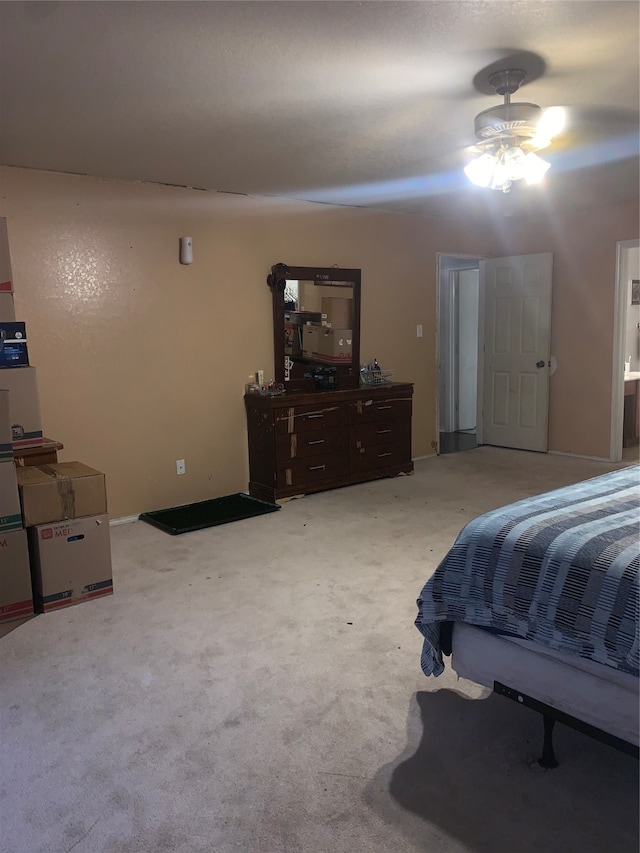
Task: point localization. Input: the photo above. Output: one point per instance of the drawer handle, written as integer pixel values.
(383, 431)
(311, 417)
(319, 467)
(381, 455)
(319, 441)
(382, 408)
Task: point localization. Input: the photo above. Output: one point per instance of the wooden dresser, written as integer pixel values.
(631, 417)
(301, 443)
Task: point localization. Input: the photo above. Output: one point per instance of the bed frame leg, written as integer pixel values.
(548, 758)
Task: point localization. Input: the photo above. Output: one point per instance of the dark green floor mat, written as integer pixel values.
(196, 516)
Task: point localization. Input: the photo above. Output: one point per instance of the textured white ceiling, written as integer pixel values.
(360, 103)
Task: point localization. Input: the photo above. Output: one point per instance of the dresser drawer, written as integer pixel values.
(381, 456)
(374, 409)
(311, 443)
(304, 472)
(378, 432)
(304, 418)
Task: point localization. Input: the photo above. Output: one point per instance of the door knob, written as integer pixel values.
(539, 363)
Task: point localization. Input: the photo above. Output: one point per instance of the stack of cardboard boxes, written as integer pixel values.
(331, 340)
(16, 599)
(64, 508)
(54, 529)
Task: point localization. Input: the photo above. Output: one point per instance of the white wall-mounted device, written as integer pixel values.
(186, 250)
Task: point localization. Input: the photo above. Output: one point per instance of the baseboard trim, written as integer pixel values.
(127, 519)
(428, 456)
(578, 456)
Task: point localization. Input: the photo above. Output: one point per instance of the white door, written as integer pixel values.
(515, 374)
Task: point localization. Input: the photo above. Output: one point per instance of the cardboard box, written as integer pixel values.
(337, 312)
(6, 447)
(310, 340)
(13, 345)
(292, 339)
(10, 515)
(6, 279)
(59, 491)
(7, 310)
(24, 405)
(335, 346)
(16, 601)
(70, 562)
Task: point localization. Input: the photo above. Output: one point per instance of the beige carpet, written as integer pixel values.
(256, 687)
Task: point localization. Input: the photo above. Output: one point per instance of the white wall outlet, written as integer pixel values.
(419, 330)
(180, 467)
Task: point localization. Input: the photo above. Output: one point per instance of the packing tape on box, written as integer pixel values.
(66, 493)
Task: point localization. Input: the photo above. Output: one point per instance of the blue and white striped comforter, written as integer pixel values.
(560, 569)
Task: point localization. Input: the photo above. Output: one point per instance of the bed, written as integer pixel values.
(539, 600)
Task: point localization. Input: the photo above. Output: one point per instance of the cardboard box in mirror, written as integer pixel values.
(337, 312)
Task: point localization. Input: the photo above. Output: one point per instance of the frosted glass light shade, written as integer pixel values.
(499, 170)
(513, 159)
(480, 170)
(535, 168)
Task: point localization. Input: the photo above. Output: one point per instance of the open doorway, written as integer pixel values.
(625, 384)
(458, 323)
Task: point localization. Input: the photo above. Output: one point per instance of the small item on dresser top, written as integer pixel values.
(266, 389)
(373, 374)
(324, 378)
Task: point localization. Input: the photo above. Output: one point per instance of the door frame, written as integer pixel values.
(464, 258)
(619, 332)
(481, 326)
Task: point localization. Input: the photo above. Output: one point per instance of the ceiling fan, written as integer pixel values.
(509, 134)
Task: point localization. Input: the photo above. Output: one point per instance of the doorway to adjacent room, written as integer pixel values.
(458, 313)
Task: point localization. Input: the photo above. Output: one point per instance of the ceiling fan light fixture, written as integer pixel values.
(480, 170)
(509, 134)
(513, 159)
(535, 168)
(500, 179)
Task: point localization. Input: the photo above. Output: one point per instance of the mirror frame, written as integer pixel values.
(348, 374)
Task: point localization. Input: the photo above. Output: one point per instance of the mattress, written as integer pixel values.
(599, 695)
(559, 569)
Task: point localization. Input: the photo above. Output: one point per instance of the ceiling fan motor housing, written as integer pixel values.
(519, 119)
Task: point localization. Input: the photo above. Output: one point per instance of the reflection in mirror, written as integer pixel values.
(318, 323)
(316, 327)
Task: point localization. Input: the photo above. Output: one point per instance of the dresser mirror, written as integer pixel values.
(316, 327)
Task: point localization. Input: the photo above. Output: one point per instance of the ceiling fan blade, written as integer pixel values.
(591, 124)
(612, 117)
